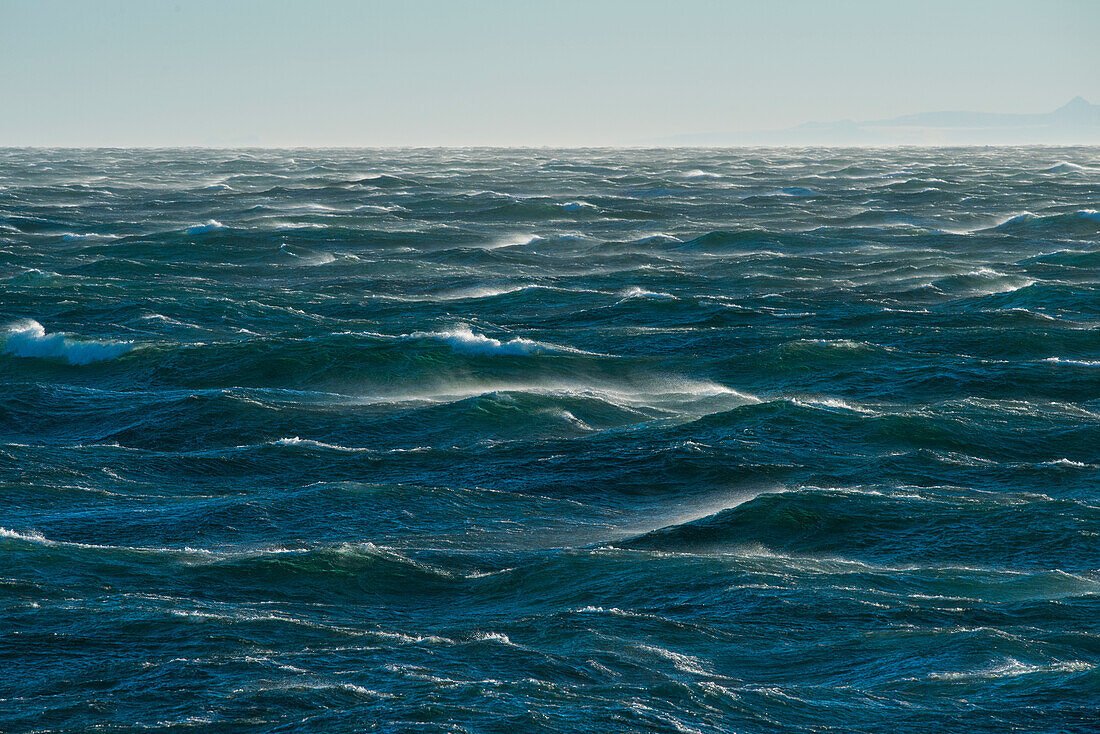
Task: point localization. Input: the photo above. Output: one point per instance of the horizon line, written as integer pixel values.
(544, 146)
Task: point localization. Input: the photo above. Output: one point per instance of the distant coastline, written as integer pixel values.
(1075, 123)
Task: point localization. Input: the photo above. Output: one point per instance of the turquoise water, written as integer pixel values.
(550, 441)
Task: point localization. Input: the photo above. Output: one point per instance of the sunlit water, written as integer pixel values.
(533, 441)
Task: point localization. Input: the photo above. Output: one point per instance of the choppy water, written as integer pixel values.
(707, 441)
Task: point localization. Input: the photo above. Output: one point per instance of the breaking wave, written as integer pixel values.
(28, 338)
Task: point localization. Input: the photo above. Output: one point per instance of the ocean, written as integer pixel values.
(475, 440)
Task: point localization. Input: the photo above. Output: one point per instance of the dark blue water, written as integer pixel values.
(550, 441)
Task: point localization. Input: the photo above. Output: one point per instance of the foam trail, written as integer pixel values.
(28, 338)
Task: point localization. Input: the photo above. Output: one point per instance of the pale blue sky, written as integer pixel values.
(489, 72)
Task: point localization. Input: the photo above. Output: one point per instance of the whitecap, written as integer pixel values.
(831, 402)
(1066, 464)
(697, 173)
(211, 225)
(1066, 167)
(80, 236)
(684, 663)
(1074, 362)
(843, 344)
(463, 339)
(28, 338)
(300, 225)
(686, 398)
(638, 292)
(1012, 668)
(986, 282)
(463, 294)
(29, 537)
(309, 442)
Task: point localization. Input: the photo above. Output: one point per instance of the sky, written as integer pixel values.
(519, 72)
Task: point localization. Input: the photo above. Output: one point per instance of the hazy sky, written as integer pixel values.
(496, 72)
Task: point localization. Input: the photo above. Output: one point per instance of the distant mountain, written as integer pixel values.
(1076, 122)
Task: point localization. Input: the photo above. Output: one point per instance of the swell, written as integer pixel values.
(661, 440)
(895, 526)
(345, 569)
(1081, 223)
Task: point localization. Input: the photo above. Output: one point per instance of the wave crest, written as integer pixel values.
(1084, 222)
(464, 340)
(28, 338)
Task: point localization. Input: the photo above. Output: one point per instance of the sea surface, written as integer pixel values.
(751, 440)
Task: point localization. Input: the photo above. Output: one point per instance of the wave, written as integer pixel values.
(581, 403)
(302, 573)
(308, 257)
(576, 206)
(33, 276)
(839, 347)
(465, 340)
(479, 292)
(983, 282)
(831, 402)
(638, 292)
(723, 240)
(86, 236)
(519, 240)
(879, 524)
(32, 536)
(1077, 259)
(1012, 668)
(1066, 464)
(28, 338)
(327, 564)
(1067, 167)
(211, 225)
(310, 443)
(1073, 362)
(1081, 223)
(383, 181)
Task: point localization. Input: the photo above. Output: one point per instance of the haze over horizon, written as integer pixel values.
(429, 73)
(553, 367)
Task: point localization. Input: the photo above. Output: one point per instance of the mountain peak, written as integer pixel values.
(1077, 103)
